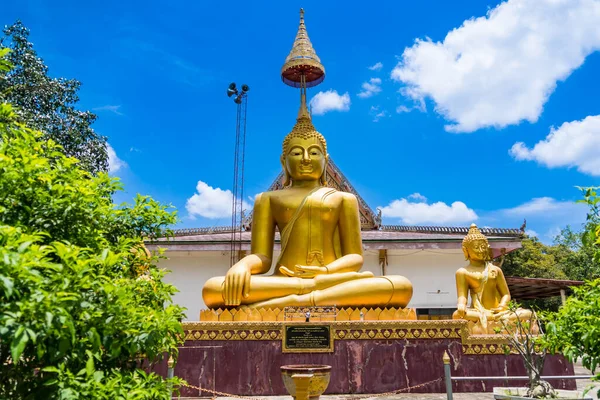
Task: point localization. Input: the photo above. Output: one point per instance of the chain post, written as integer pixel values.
(170, 373)
(448, 377)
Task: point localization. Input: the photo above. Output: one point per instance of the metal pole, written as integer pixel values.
(448, 377)
(517, 378)
(170, 373)
(563, 296)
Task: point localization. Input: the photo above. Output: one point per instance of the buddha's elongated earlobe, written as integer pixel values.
(465, 252)
(490, 254)
(287, 181)
(323, 178)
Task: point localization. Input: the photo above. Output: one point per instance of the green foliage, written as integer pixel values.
(591, 236)
(48, 104)
(5, 65)
(533, 260)
(575, 329)
(82, 303)
(573, 256)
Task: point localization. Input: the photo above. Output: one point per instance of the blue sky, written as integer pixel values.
(489, 111)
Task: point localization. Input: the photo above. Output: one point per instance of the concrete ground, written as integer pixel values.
(582, 384)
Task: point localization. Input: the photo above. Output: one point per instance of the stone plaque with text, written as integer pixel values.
(307, 338)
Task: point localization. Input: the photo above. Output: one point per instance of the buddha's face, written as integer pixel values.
(478, 250)
(305, 159)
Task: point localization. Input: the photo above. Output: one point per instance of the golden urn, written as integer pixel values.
(306, 381)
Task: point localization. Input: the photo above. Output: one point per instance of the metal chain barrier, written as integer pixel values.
(396, 391)
(353, 397)
(223, 394)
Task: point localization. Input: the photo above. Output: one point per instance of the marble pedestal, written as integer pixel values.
(243, 358)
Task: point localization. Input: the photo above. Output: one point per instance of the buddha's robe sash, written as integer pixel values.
(312, 204)
(476, 301)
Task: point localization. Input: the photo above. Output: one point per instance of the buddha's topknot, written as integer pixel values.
(304, 129)
(473, 235)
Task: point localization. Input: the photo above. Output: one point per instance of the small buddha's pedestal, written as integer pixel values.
(372, 356)
(496, 327)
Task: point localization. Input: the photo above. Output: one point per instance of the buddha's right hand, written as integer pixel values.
(237, 284)
(461, 310)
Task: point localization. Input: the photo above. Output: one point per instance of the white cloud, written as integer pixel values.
(545, 217)
(414, 213)
(403, 109)
(573, 144)
(531, 233)
(370, 88)
(380, 115)
(112, 109)
(542, 206)
(377, 114)
(500, 69)
(213, 203)
(418, 197)
(114, 162)
(376, 67)
(330, 100)
(552, 233)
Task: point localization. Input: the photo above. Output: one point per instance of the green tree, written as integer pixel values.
(576, 258)
(591, 235)
(82, 304)
(49, 104)
(575, 329)
(533, 260)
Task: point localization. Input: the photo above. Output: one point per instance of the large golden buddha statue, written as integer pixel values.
(485, 284)
(321, 246)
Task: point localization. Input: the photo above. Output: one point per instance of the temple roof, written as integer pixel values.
(389, 232)
(538, 288)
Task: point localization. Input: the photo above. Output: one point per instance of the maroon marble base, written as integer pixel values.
(251, 367)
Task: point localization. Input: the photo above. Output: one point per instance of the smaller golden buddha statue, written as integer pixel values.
(484, 282)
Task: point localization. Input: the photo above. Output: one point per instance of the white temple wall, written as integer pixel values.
(189, 271)
(430, 271)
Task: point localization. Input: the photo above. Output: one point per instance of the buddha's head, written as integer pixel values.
(304, 156)
(475, 245)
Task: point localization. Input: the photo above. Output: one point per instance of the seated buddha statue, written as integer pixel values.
(484, 282)
(321, 246)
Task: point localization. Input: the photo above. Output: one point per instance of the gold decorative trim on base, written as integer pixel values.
(496, 327)
(247, 314)
(355, 330)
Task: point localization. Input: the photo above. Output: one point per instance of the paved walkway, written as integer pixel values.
(583, 384)
(579, 370)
